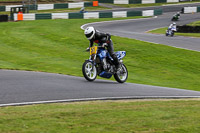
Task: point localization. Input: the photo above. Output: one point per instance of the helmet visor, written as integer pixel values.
(89, 35)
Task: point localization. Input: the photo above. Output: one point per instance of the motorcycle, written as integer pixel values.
(170, 32)
(101, 63)
(175, 18)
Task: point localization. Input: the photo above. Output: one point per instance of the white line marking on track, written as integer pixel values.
(95, 99)
(114, 21)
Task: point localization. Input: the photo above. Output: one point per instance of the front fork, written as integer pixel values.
(93, 60)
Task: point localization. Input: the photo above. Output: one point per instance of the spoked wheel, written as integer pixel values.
(89, 71)
(122, 75)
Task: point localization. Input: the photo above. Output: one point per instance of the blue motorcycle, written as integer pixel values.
(101, 63)
(170, 32)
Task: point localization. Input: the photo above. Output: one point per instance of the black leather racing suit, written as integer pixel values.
(105, 38)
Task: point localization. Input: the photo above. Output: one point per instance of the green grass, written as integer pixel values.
(179, 116)
(197, 23)
(57, 46)
(162, 31)
(69, 10)
(63, 10)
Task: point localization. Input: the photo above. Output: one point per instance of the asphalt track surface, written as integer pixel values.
(137, 28)
(25, 87)
(165, 8)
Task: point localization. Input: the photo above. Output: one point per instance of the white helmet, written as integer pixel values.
(89, 32)
(174, 23)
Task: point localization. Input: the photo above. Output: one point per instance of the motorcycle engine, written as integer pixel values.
(104, 64)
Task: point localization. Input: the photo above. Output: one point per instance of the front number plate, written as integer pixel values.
(93, 50)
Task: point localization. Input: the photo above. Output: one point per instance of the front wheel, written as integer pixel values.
(172, 34)
(122, 75)
(89, 71)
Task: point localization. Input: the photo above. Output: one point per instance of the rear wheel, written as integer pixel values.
(89, 71)
(122, 75)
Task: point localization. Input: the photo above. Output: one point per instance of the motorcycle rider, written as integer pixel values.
(82, 10)
(176, 16)
(94, 36)
(172, 27)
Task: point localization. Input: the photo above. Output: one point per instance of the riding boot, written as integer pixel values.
(116, 62)
(111, 51)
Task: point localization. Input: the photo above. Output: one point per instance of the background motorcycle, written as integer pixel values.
(175, 18)
(101, 63)
(170, 32)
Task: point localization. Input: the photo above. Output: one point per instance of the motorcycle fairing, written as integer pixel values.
(105, 74)
(120, 54)
(101, 53)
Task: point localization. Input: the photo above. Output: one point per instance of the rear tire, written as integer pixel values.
(89, 73)
(121, 76)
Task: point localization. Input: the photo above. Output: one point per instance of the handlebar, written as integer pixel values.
(102, 46)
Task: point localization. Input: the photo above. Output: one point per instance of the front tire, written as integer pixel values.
(89, 71)
(172, 34)
(122, 75)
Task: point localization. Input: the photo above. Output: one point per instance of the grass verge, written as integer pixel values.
(69, 10)
(179, 116)
(197, 23)
(57, 46)
(63, 10)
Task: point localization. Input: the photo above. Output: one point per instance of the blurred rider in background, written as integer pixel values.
(82, 10)
(172, 27)
(176, 16)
